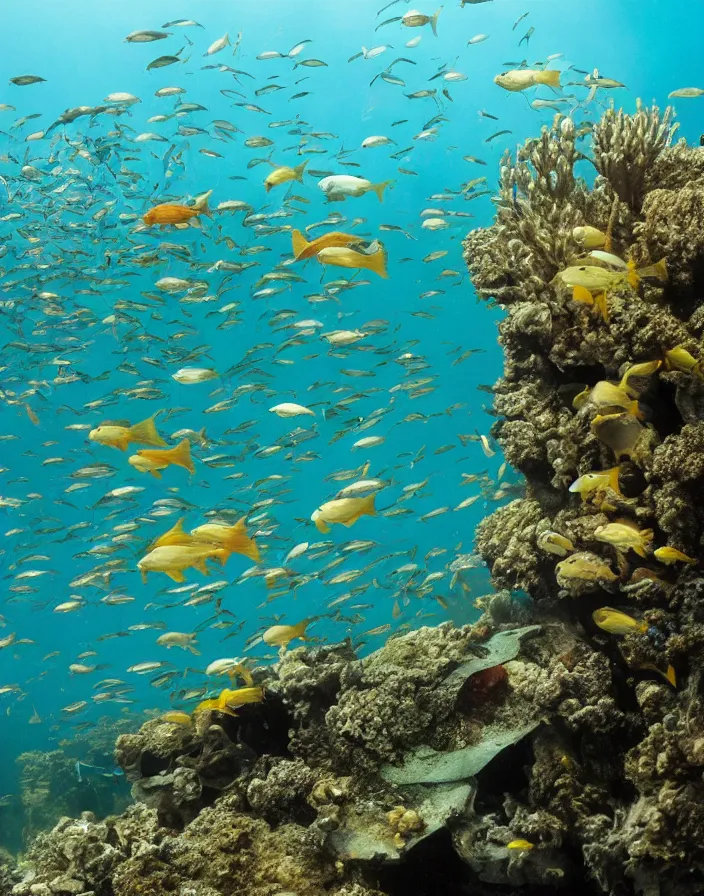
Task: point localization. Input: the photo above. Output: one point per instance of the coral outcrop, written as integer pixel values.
(618, 795)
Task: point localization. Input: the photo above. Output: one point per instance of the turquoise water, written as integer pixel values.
(73, 230)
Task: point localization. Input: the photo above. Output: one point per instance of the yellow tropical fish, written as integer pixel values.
(590, 482)
(303, 249)
(617, 623)
(600, 279)
(153, 460)
(176, 717)
(233, 538)
(229, 700)
(598, 301)
(345, 511)
(609, 398)
(668, 555)
(620, 432)
(119, 436)
(585, 567)
(344, 257)
(589, 237)
(637, 371)
(523, 78)
(284, 174)
(520, 844)
(175, 535)
(625, 536)
(554, 543)
(282, 635)
(174, 559)
(678, 358)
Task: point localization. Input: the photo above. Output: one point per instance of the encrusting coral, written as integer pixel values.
(566, 753)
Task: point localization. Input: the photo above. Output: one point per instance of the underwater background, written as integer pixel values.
(104, 346)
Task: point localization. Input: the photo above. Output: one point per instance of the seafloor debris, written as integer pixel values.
(562, 754)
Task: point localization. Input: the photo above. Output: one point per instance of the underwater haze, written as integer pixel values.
(373, 348)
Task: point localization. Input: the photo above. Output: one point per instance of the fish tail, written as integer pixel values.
(379, 188)
(181, 456)
(369, 507)
(613, 480)
(145, 433)
(377, 263)
(238, 542)
(633, 276)
(671, 676)
(300, 629)
(602, 307)
(582, 294)
(201, 205)
(657, 270)
(434, 20)
(300, 243)
(299, 169)
(550, 77)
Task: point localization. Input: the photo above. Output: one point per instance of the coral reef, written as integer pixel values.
(615, 793)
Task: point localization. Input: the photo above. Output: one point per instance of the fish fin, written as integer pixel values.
(377, 263)
(145, 433)
(321, 525)
(379, 188)
(239, 542)
(671, 676)
(193, 649)
(602, 307)
(201, 567)
(613, 480)
(299, 169)
(300, 243)
(176, 575)
(156, 474)
(300, 629)
(582, 294)
(123, 443)
(434, 20)
(144, 576)
(550, 77)
(181, 456)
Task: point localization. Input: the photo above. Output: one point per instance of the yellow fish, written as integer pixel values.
(345, 511)
(229, 700)
(523, 78)
(590, 482)
(617, 623)
(304, 249)
(554, 543)
(678, 358)
(175, 535)
(153, 460)
(282, 635)
(589, 237)
(174, 559)
(645, 369)
(599, 279)
(233, 538)
(668, 555)
(119, 436)
(585, 567)
(344, 257)
(284, 174)
(176, 717)
(625, 536)
(520, 844)
(609, 398)
(620, 432)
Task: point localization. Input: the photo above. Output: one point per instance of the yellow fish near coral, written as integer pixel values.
(590, 482)
(625, 536)
(344, 257)
(589, 237)
(174, 559)
(617, 623)
(598, 301)
(678, 358)
(638, 371)
(284, 174)
(585, 567)
(230, 700)
(122, 436)
(668, 556)
(282, 635)
(595, 278)
(620, 432)
(345, 511)
(609, 398)
(554, 543)
(520, 844)
(154, 460)
(233, 538)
